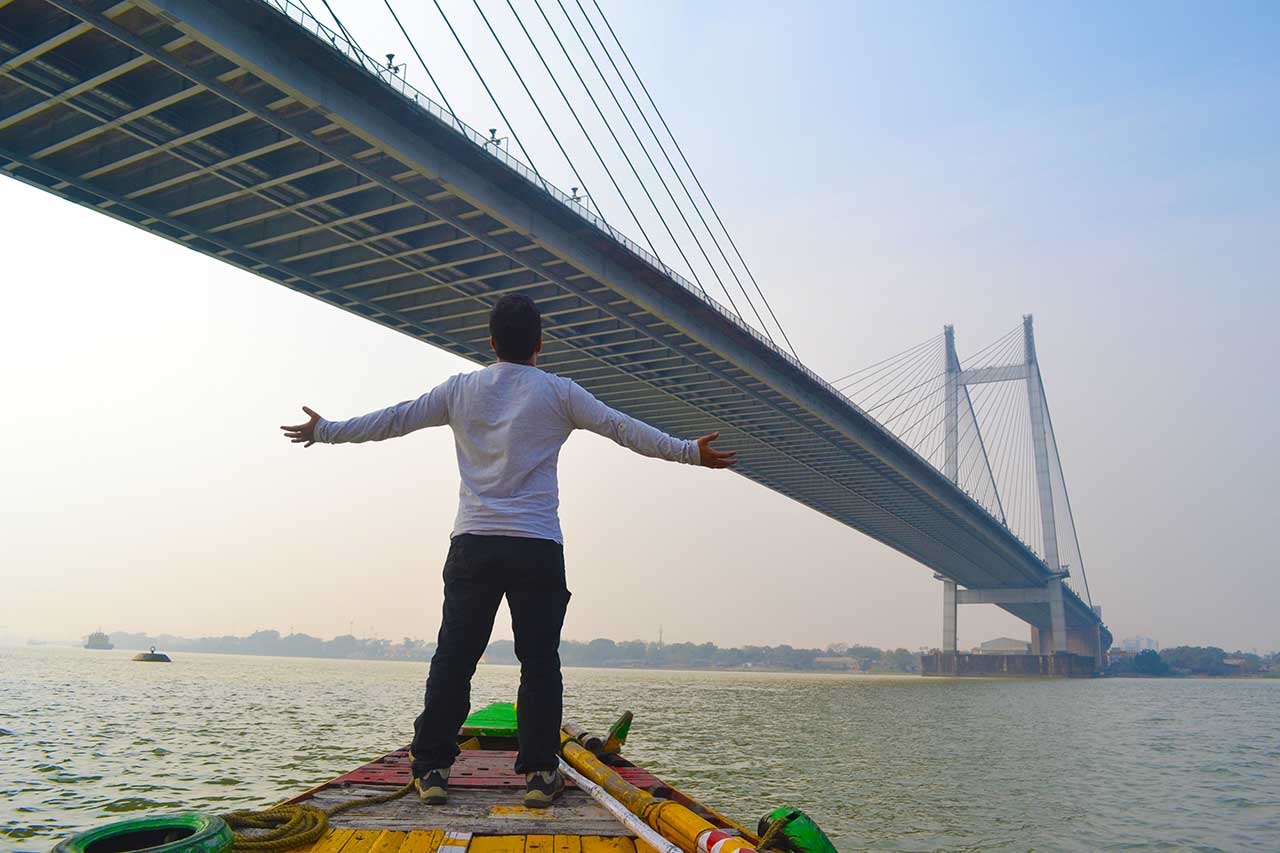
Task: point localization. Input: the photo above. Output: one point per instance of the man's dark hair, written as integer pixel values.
(516, 326)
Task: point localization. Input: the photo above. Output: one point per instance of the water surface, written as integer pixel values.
(881, 762)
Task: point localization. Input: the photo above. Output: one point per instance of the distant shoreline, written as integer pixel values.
(603, 653)
(594, 654)
(628, 667)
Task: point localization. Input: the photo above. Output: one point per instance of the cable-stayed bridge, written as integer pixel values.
(249, 131)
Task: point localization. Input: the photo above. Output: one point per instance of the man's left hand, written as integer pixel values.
(303, 432)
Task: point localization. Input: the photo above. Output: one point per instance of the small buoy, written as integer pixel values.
(180, 833)
(152, 656)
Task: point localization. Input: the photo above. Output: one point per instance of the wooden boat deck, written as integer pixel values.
(484, 798)
(438, 841)
(484, 812)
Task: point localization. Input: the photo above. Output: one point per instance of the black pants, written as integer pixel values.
(477, 573)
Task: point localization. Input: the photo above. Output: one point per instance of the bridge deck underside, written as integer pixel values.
(140, 116)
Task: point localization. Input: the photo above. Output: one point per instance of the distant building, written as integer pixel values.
(839, 663)
(1004, 646)
(1134, 645)
(98, 640)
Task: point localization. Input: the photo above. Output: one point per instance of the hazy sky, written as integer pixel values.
(887, 168)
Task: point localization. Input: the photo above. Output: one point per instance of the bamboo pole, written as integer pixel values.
(691, 833)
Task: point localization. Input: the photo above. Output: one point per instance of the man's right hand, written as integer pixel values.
(303, 432)
(709, 457)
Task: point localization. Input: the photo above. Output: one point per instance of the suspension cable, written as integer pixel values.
(676, 172)
(532, 99)
(1065, 494)
(347, 34)
(645, 189)
(882, 361)
(692, 174)
(489, 91)
(422, 61)
(871, 392)
(644, 149)
(587, 136)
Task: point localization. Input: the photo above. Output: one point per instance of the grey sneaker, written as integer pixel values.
(433, 788)
(542, 788)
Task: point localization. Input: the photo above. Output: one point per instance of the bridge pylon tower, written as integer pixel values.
(1058, 639)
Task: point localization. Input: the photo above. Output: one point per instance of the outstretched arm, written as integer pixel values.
(587, 412)
(430, 409)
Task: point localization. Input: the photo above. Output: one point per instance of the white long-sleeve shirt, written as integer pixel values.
(509, 421)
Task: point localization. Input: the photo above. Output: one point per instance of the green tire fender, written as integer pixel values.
(178, 833)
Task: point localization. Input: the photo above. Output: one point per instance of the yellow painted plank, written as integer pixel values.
(361, 840)
(497, 844)
(388, 841)
(317, 846)
(568, 844)
(314, 846)
(422, 841)
(522, 811)
(603, 844)
(333, 842)
(539, 844)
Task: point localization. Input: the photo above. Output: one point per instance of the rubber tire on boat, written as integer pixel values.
(200, 833)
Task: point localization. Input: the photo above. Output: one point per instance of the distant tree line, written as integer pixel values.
(641, 654)
(1196, 660)
(599, 652)
(291, 645)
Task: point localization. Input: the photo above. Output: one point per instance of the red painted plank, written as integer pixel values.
(639, 777)
(474, 768)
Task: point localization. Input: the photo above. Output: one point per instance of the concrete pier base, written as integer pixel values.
(1063, 665)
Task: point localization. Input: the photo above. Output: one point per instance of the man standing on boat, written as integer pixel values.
(509, 421)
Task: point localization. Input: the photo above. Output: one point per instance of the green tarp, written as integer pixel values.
(496, 720)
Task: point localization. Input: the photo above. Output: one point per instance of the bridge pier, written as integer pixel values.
(1057, 639)
(1085, 641)
(948, 614)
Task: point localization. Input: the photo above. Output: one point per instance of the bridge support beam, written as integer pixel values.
(949, 601)
(1058, 616)
(1085, 640)
(1057, 639)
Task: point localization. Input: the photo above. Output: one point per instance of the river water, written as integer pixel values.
(897, 763)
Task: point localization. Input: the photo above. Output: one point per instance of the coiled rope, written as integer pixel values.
(769, 838)
(292, 825)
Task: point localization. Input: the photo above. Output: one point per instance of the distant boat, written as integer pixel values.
(152, 656)
(98, 640)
